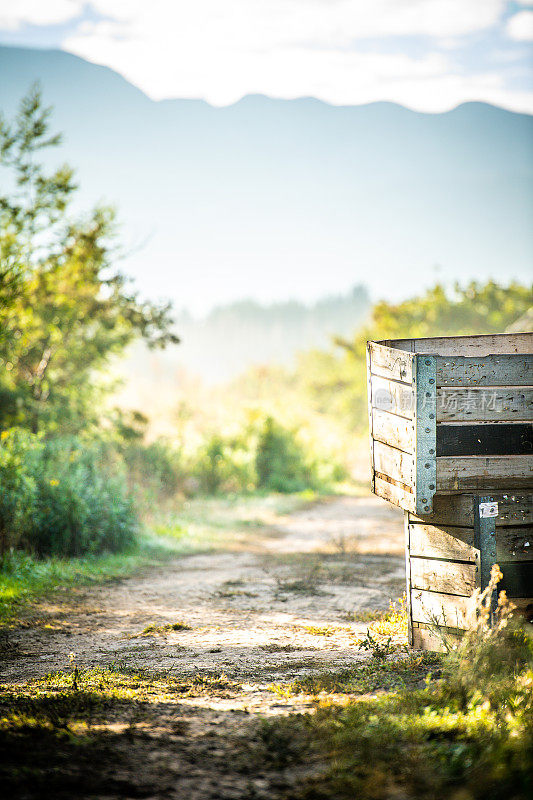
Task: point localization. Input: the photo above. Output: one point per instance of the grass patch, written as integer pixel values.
(367, 678)
(198, 525)
(316, 630)
(170, 627)
(452, 726)
(24, 579)
(84, 732)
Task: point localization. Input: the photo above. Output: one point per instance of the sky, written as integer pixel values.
(429, 55)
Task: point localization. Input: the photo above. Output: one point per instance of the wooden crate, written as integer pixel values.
(450, 429)
(448, 555)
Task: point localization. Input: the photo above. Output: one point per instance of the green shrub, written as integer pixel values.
(280, 461)
(17, 486)
(225, 464)
(61, 498)
(155, 471)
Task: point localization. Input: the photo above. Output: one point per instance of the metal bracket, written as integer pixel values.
(485, 513)
(425, 428)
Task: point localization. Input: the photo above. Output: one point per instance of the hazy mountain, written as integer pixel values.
(272, 199)
(230, 338)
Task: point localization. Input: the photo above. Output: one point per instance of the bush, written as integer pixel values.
(155, 471)
(17, 487)
(225, 464)
(280, 461)
(60, 498)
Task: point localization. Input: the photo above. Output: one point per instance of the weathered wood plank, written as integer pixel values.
(514, 544)
(443, 576)
(449, 610)
(484, 472)
(393, 430)
(394, 463)
(496, 404)
(394, 494)
(407, 532)
(512, 438)
(392, 396)
(435, 541)
(491, 370)
(470, 346)
(435, 638)
(370, 416)
(514, 508)
(391, 363)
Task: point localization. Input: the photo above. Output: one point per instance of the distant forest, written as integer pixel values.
(232, 337)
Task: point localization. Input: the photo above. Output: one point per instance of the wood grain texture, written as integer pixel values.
(393, 430)
(484, 472)
(394, 463)
(470, 346)
(370, 416)
(433, 638)
(449, 542)
(496, 404)
(391, 363)
(514, 509)
(434, 541)
(491, 370)
(392, 396)
(451, 611)
(443, 576)
(396, 495)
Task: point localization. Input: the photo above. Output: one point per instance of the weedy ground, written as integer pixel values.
(270, 664)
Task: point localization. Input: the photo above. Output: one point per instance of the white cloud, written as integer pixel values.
(286, 48)
(15, 13)
(520, 26)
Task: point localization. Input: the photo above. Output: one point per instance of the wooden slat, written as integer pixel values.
(511, 438)
(443, 576)
(370, 416)
(445, 609)
(509, 404)
(435, 638)
(484, 472)
(392, 396)
(491, 370)
(432, 541)
(470, 346)
(391, 363)
(394, 494)
(436, 541)
(394, 463)
(514, 509)
(514, 544)
(393, 430)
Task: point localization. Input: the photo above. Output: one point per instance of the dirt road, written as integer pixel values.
(290, 600)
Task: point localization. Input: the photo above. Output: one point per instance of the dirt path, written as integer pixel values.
(278, 607)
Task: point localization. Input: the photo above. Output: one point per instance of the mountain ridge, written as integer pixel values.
(268, 198)
(57, 52)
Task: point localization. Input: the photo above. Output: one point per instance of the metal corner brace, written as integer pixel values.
(425, 428)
